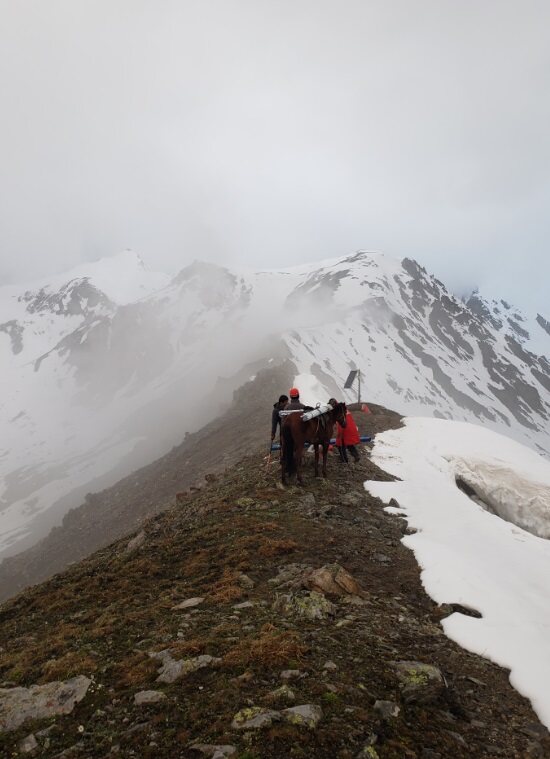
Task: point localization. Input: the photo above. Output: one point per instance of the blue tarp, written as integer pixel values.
(363, 438)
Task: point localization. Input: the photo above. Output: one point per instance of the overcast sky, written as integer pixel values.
(273, 132)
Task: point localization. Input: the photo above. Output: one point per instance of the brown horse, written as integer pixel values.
(318, 431)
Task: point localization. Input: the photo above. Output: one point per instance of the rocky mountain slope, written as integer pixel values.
(111, 513)
(253, 622)
(106, 371)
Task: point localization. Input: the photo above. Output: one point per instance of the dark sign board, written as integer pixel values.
(351, 378)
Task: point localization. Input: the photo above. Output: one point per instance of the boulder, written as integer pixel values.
(173, 669)
(419, 683)
(245, 581)
(332, 580)
(282, 694)
(352, 499)
(387, 709)
(136, 542)
(28, 744)
(307, 502)
(245, 502)
(254, 718)
(290, 576)
(306, 715)
(40, 701)
(311, 605)
(292, 674)
(368, 752)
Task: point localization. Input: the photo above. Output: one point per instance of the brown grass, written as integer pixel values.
(183, 648)
(270, 648)
(25, 654)
(71, 664)
(145, 567)
(270, 548)
(287, 734)
(247, 542)
(267, 526)
(226, 589)
(197, 563)
(136, 669)
(104, 625)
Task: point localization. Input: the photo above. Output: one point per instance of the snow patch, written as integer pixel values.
(469, 556)
(311, 390)
(507, 494)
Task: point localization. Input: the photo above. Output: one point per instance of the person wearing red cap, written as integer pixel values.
(294, 403)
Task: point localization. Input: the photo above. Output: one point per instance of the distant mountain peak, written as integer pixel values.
(75, 298)
(544, 323)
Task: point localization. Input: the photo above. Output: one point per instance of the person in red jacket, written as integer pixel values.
(347, 438)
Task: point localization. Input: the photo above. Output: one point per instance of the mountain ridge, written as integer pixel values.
(87, 375)
(255, 622)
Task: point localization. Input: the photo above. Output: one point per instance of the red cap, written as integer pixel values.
(294, 392)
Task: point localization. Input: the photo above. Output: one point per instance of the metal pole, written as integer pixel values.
(359, 386)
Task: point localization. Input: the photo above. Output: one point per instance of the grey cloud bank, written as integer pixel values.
(265, 134)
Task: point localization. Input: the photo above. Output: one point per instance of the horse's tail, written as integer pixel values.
(288, 450)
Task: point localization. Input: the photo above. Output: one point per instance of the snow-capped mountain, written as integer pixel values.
(420, 348)
(106, 367)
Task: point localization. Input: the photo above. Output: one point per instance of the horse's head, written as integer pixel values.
(340, 411)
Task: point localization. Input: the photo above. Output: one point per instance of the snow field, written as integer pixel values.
(470, 556)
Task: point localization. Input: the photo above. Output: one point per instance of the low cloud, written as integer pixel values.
(267, 134)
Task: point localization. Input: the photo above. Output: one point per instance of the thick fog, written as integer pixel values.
(96, 389)
(261, 133)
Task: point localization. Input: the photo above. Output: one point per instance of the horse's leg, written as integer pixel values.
(316, 447)
(283, 465)
(298, 454)
(325, 454)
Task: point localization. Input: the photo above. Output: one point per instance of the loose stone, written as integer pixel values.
(386, 709)
(254, 718)
(188, 604)
(308, 715)
(28, 744)
(148, 697)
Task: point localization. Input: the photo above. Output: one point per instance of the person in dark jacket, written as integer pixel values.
(295, 403)
(275, 418)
